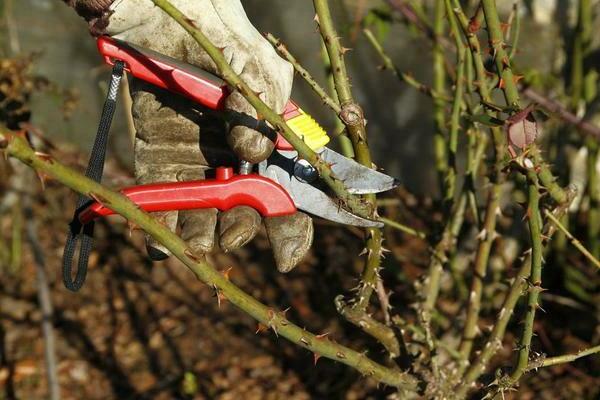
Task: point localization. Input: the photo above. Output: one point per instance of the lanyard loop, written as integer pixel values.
(94, 171)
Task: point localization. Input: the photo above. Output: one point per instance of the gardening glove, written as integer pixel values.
(176, 140)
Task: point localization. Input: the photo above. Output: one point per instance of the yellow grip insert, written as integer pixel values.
(309, 130)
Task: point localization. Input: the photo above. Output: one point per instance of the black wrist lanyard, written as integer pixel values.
(94, 171)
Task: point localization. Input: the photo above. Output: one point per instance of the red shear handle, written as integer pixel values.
(178, 77)
(223, 193)
(166, 72)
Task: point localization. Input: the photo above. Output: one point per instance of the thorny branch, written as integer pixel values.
(353, 117)
(16, 146)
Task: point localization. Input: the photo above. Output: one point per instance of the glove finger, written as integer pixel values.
(146, 173)
(290, 236)
(157, 251)
(249, 144)
(197, 226)
(237, 227)
(198, 229)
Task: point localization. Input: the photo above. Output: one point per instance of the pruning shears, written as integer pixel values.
(282, 184)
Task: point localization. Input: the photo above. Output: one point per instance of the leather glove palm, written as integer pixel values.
(176, 140)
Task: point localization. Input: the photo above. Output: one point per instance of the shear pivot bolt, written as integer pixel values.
(305, 172)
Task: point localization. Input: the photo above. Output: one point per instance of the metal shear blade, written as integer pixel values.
(308, 196)
(357, 178)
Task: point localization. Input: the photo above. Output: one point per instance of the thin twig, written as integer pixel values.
(45, 302)
(403, 228)
(370, 325)
(440, 252)
(554, 107)
(343, 139)
(439, 114)
(566, 358)
(318, 89)
(459, 91)
(515, 30)
(574, 241)
(417, 18)
(384, 301)
(402, 76)
(16, 244)
(12, 28)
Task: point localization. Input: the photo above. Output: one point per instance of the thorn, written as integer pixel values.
(191, 22)
(517, 78)
(44, 157)
(283, 316)
(322, 336)
(506, 61)
(340, 355)
(501, 83)
(190, 254)
(305, 341)
(523, 204)
(98, 198)
(482, 234)
(344, 50)
(316, 19)
(540, 308)
(4, 142)
(132, 227)
(527, 214)
(270, 323)
(43, 178)
(260, 328)
(474, 25)
(499, 212)
(220, 297)
(227, 272)
(316, 357)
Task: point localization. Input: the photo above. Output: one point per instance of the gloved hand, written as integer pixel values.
(177, 141)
